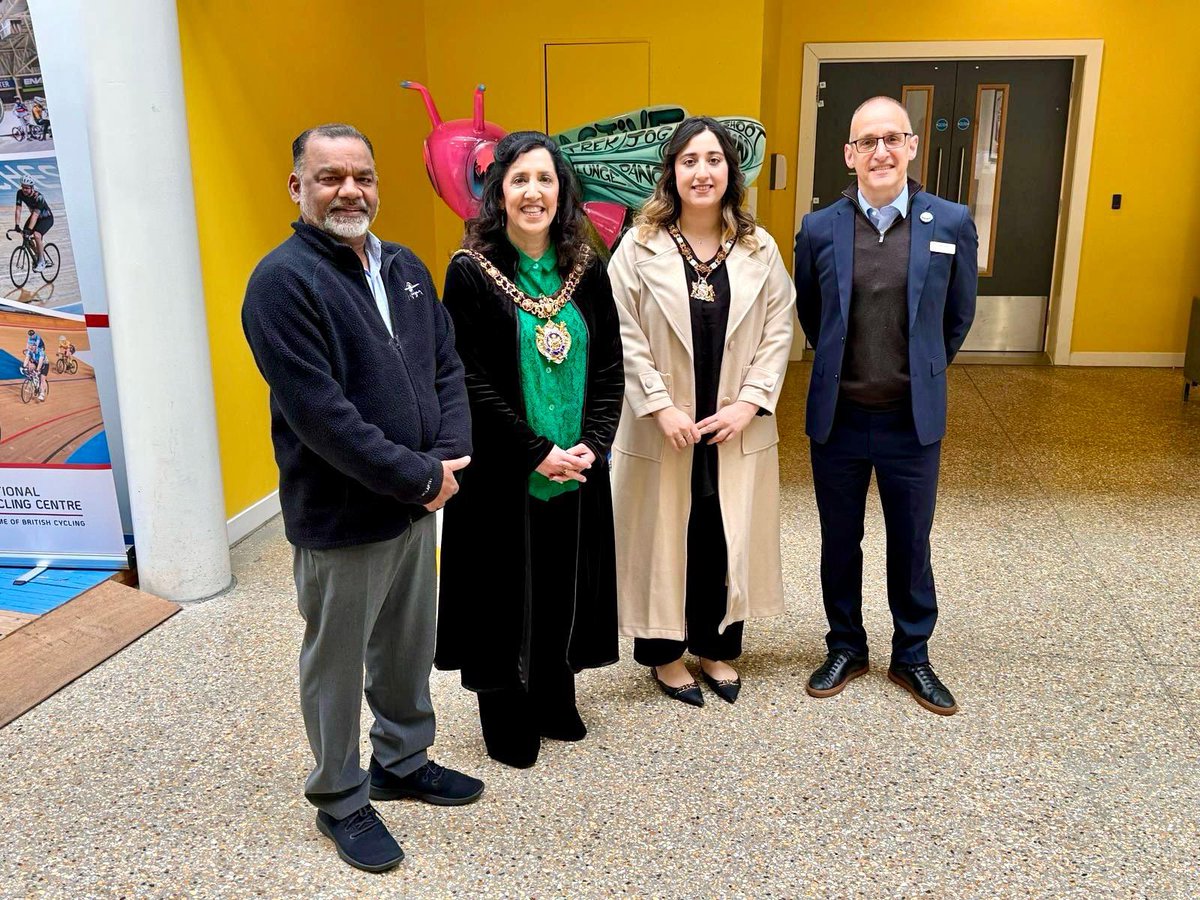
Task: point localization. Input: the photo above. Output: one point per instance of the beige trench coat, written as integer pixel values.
(651, 479)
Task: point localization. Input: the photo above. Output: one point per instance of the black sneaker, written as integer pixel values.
(362, 839)
(432, 783)
(927, 689)
(831, 676)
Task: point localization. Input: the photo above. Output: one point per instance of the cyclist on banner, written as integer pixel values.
(36, 360)
(41, 115)
(21, 111)
(65, 348)
(40, 220)
(33, 341)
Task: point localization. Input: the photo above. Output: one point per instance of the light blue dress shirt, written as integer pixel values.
(901, 204)
(374, 272)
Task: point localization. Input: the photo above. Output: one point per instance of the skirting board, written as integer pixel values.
(1142, 360)
(252, 517)
(40, 658)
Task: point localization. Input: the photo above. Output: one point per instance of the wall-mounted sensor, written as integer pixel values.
(1116, 201)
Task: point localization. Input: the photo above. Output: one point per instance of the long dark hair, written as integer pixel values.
(664, 206)
(569, 231)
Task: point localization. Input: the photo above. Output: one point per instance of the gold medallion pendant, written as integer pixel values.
(702, 290)
(554, 341)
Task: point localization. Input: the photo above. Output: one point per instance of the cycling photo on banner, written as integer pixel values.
(36, 263)
(49, 405)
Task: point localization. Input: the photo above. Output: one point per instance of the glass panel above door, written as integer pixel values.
(918, 100)
(987, 163)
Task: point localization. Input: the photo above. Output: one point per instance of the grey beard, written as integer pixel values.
(355, 228)
(344, 230)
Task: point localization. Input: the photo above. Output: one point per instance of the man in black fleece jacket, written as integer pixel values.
(370, 422)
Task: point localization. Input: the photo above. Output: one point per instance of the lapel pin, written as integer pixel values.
(927, 217)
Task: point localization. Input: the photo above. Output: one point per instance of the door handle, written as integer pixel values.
(962, 165)
(937, 186)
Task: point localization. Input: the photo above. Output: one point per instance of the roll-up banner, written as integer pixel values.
(58, 501)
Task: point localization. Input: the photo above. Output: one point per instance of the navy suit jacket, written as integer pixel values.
(941, 303)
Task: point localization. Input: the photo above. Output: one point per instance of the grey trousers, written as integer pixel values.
(372, 605)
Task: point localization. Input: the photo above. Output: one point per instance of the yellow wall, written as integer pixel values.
(256, 75)
(1140, 265)
(709, 62)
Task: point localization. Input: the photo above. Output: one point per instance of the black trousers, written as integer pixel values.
(512, 718)
(907, 475)
(706, 597)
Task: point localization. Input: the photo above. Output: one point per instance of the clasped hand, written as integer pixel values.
(561, 466)
(726, 422)
(449, 482)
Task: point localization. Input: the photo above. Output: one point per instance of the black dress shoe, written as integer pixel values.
(922, 682)
(688, 693)
(362, 839)
(831, 676)
(727, 689)
(431, 783)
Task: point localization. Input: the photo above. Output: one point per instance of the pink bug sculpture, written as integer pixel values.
(615, 160)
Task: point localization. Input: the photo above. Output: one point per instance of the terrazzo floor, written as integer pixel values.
(1067, 551)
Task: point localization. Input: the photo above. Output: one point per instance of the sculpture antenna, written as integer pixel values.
(430, 107)
(478, 119)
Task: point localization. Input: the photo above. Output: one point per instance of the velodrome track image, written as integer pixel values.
(54, 431)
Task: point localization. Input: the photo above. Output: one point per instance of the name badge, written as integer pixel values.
(941, 247)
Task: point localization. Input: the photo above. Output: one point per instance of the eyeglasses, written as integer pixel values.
(890, 142)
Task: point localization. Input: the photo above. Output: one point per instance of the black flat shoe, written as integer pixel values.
(727, 689)
(519, 754)
(927, 689)
(688, 693)
(565, 726)
(831, 676)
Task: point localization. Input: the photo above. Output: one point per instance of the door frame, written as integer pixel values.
(1081, 131)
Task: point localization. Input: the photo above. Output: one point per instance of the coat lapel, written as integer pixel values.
(664, 276)
(746, 277)
(843, 256)
(921, 233)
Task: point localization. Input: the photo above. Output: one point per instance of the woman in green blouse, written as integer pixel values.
(528, 578)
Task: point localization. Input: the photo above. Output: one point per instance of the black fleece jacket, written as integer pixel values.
(360, 420)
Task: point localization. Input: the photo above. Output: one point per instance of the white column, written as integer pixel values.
(141, 172)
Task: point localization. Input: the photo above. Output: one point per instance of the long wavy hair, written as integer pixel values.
(665, 205)
(569, 230)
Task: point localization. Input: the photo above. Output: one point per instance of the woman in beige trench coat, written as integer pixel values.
(706, 311)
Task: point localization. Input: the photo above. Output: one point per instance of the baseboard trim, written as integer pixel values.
(252, 517)
(1145, 360)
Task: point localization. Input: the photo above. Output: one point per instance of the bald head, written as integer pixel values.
(880, 104)
(880, 147)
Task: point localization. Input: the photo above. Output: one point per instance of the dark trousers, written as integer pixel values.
(907, 475)
(706, 598)
(512, 718)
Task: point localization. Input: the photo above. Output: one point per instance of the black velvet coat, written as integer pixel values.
(485, 598)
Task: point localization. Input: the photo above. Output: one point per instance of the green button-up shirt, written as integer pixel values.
(554, 392)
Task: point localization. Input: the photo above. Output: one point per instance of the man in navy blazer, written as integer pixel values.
(885, 284)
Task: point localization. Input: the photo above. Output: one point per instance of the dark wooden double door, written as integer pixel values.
(992, 135)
